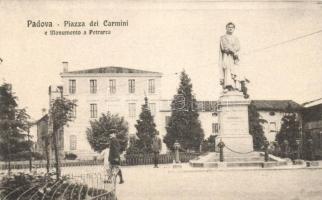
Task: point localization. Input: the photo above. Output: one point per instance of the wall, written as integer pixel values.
(117, 103)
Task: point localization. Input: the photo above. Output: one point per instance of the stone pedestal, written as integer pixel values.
(233, 122)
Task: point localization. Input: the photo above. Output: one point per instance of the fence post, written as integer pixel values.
(221, 146)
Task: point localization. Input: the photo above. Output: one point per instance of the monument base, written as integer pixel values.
(237, 144)
(233, 122)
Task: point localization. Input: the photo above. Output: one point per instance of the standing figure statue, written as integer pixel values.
(231, 77)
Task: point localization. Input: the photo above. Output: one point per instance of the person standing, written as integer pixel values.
(104, 156)
(156, 148)
(114, 155)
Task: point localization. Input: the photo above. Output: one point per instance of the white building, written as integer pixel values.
(115, 89)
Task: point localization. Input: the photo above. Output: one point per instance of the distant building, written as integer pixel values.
(42, 128)
(273, 111)
(312, 119)
(42, 132)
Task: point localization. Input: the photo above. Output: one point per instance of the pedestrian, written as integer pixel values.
(114, 155)
(156, 148)
(104, 156)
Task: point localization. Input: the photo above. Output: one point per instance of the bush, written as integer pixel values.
(38, 156)
(133, 148)
(70, 156)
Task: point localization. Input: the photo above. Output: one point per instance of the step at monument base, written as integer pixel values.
(233, 160)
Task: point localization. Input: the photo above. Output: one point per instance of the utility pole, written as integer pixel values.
(51, 132)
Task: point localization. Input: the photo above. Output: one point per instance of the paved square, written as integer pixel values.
(146, 182)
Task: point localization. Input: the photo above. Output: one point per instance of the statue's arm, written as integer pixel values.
(225, 47)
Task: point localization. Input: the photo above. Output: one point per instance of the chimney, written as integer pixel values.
(43, 111)
(65, 66)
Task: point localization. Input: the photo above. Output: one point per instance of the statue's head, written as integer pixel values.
(230, 28)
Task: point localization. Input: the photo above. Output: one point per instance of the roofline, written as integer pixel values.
(307, 104)
(148, 74)
(43, 117)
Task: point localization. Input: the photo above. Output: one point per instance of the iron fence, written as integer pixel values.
(135, 159)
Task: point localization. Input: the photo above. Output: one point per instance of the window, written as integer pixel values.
(93, 86)
(200, 106)
(72, 142)
(131, 86)
(151, 86)
(132, 110)
(112, 86)
(93, 110)
(152, 108)
(272, 127)
(215, 128)
(72, 86)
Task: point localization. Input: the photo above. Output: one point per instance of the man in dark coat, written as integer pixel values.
(156, 148)
(114, 155)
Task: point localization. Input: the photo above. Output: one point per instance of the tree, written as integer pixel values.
(289, 129)
(209, 144)
(184, 125)
(61, 112)
(255, 127)
(145, 129)
(13, 126)
(99, 131)
(133, 147)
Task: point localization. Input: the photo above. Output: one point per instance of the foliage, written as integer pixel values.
(13, 125)
(70, 156)
(184, 124)
(308, 146)
(145, 129)
(209, 144)
(38, 156)
(45, 187)
(23, 181)
(289, 130)
(99, 131)
(255, 127)
(61, 112)
(133, 147)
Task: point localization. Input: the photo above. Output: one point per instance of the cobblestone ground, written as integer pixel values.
(148, 183)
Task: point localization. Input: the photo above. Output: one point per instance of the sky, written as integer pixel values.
(166, 37)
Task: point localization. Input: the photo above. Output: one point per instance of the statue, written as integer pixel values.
(231, 77)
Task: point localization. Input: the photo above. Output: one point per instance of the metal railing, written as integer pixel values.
(138, 159)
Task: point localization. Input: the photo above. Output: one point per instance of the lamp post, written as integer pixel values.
(176, 149)
(266, 144)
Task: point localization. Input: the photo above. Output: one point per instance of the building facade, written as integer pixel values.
(116, 90)
(312, 129)
(272, 111)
